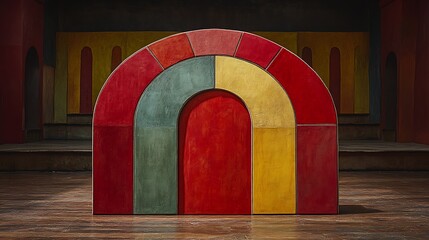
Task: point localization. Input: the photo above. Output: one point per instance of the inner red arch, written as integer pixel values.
(215, 155)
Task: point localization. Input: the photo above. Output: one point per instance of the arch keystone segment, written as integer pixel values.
(214, 42)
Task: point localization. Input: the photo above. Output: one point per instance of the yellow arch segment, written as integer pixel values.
(273, 125)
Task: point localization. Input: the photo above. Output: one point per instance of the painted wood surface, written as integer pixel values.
(215, 155)
(113, 122)
(155, 133)
(257, 50)
(216, 41)
(317, 170)
(311, 100)
(172, 50)
(273, 124)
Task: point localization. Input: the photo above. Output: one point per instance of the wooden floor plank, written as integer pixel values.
(373, 205)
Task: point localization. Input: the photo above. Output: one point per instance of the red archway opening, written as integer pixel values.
(215, 155)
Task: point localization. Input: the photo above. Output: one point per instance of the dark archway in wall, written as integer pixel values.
(390, 96)
(32, 97)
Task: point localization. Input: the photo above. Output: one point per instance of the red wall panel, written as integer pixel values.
(317, 170)
(113, 170)
(215, 155)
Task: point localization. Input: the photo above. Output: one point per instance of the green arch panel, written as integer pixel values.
(155, 133)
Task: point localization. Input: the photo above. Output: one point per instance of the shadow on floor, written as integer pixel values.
(356, 209)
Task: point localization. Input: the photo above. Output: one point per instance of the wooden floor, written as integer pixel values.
(373, 205)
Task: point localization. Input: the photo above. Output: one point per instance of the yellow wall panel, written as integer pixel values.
(274, 163)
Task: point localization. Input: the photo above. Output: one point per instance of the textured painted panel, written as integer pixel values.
(268, 103)
(86, 81)
(60, 86)
(257, 50)
(311, 100)
(155, 171)
(172, 50)
(214, 42)
(361, 103)
(215, 155)
(112, 170)
(273, 148)
(317, 170)
(274, 181)
(159, 107)
(118, 101)
(335, 76)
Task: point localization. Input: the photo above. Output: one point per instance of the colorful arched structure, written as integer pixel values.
(215, 122)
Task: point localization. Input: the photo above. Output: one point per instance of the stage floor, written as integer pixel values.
(373, 205)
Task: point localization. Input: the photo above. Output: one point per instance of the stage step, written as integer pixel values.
(64, 131)
(54, 155)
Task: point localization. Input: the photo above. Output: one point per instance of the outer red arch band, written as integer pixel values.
(117, 101)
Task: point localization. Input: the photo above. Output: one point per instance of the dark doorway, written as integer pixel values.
(390, 96)
(32, 97)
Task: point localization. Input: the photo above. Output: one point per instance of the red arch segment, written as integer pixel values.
(309, 96)
(172, 50)
(257, 50)
(214, 42)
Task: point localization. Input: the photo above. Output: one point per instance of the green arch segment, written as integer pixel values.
(155, 133)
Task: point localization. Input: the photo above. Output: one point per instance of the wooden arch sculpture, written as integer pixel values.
(270, 148)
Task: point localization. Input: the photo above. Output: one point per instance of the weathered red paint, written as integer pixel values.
(113, 133)
(317, 170)
(113, 170)
(86, 80)
(214, 42)
(215, 155)
(172, 50)
(309, 96)
(120, 94)
(257, 50)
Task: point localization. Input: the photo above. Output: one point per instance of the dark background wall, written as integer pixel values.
(247, 15)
